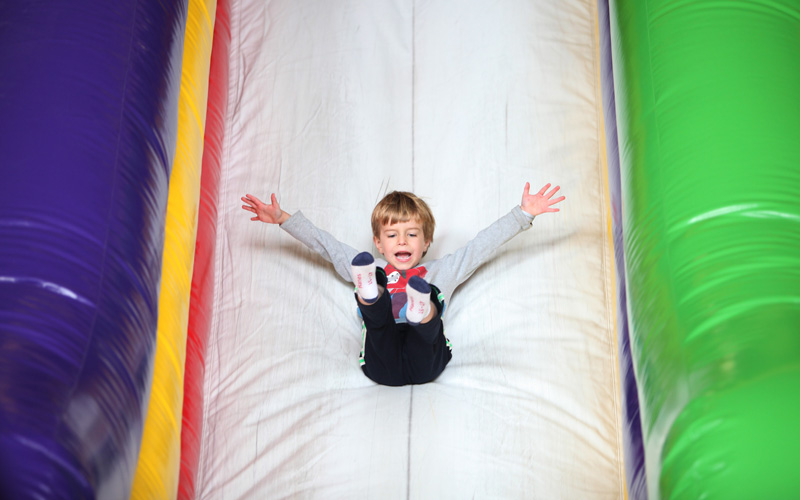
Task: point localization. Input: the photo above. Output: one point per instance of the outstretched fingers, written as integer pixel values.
(249, 198)
(552, 191)
(250, 203)
(550, 203)
(544, 189)
(253, 205)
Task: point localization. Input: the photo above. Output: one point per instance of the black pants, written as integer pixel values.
(398, 353)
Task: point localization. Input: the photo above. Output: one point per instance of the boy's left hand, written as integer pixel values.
(540, 202)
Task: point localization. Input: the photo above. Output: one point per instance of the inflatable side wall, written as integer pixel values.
(88, 120)
(158, 468)
(707, 106)
(203, 279)
(635, 471)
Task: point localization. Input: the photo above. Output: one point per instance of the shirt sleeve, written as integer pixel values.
(329, 248)
(453, 269)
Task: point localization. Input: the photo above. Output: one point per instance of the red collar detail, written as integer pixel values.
(397, 281)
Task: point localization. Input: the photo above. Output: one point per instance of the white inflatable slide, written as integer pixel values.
(335, 103)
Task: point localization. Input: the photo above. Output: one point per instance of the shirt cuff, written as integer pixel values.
(524, 218)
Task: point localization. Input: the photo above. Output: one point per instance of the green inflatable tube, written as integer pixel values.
(708, 108)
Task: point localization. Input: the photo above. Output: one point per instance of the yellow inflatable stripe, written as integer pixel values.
(159, 459)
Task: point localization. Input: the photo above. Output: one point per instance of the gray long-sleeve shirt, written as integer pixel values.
(447, 273)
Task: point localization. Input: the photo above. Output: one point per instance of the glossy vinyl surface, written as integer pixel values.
(707, 105)
(88, 103)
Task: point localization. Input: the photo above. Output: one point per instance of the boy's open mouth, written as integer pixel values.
(402, 256)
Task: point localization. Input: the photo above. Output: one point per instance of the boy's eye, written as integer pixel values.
(413, 235)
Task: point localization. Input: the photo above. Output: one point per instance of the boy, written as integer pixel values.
(403, 334)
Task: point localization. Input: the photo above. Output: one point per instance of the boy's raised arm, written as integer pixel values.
(271, 214)
(323, 243)
(453, 269)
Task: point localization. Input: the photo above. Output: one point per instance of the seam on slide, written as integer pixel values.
(408, 448)
(413, 93)
(413, 189)
(609, 271)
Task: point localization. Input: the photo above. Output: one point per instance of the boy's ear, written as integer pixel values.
(378, 244)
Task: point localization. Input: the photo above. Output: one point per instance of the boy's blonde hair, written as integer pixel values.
(401, 206)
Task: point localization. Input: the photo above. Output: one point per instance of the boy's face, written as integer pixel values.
(402, 244)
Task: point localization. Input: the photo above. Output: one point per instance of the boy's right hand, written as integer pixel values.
(271, 214)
